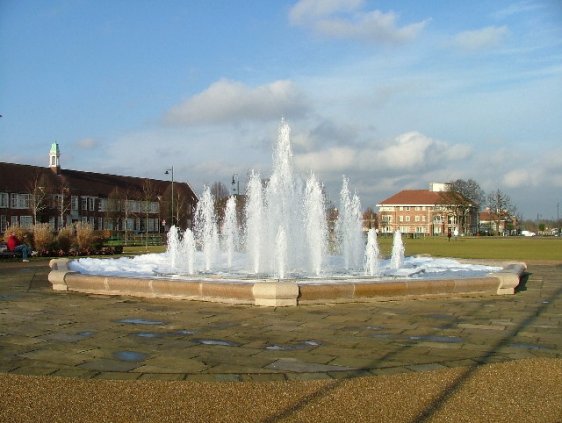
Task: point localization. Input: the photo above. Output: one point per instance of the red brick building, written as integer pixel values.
(60, 197)
(435, 211)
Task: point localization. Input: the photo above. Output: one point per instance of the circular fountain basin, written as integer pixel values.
(285, 292)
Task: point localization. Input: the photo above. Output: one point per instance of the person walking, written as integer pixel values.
(15, 246)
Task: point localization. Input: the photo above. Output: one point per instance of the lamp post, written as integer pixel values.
(171, 171)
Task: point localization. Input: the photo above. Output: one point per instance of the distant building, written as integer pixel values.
(435, 211)
(61, 197)
(497, 223)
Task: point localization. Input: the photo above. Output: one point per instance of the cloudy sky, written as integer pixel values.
(392, 94)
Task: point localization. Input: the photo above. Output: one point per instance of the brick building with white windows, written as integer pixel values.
(61, 197)
(435, 211)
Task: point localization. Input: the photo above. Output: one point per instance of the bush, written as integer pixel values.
(23, 234)
(84, 236)
(43, 238)
(64, 239)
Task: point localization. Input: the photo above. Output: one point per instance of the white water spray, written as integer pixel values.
(349, 228)
(230, 230)
(397, 257)
(372, 254)
(206, 233)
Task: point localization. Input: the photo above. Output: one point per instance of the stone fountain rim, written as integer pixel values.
(286, 292)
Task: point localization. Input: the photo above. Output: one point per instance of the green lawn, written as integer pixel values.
(500, 248)
(515, 248)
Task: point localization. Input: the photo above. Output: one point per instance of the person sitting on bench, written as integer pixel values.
(15, 246)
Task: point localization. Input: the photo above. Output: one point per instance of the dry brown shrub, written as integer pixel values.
(64, 239)
(84, 235)
(23, 234)
(43, 237)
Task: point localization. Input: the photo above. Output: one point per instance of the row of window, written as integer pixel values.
(407, 229)
(99, 223)
(15, 201)
(408, 208)
(24, 201)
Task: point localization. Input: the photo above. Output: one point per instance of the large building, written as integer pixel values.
(61, 197)
(435, 211)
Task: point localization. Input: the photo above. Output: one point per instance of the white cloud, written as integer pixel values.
(408, 153)
(517, 8)
(307, 9)
(230, 101)
(346, 19)
(86, 143)
(479, 39)
(335, 159)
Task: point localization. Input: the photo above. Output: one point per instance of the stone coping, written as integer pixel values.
(282, 293)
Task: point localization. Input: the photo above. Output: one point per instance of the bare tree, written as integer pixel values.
(462, 201)
(39, 188)
(501, 208)
(63, 203)
(219, 191)
(370, 218)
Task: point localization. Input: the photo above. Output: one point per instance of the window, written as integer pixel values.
(407, 218)
(19, 201)
(3, 200)
(417, 218)
(84, 204)
(3, 223)
(401, 218)
(91, 203)
(74, 203)
(102, 204)
(26, 221)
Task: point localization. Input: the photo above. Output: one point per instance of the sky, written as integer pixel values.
(392, 94)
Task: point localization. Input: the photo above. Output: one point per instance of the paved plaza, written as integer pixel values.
(88, 337)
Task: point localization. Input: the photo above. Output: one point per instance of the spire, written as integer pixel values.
(54, 158)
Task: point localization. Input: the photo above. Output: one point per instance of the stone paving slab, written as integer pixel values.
(43, 332)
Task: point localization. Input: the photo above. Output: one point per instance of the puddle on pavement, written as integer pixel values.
(148, 335)
(182, 332)
(293, 347)
(436, 338)
(219, 342)
(129, 356)
(140, 322)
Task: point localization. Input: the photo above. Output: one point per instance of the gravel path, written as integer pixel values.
(517, 391)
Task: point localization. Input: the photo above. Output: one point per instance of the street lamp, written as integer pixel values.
(171, 171)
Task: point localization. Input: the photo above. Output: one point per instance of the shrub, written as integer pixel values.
(23, 234)
(84, 235)
(43, 237)
(64, 239)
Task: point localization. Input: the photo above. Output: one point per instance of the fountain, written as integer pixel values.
(282, 255)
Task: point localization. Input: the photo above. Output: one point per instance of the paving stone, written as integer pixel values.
(426, 367)
(117, 376)
(162, 376)
(294, 365)
(105, 365)
(45, 332)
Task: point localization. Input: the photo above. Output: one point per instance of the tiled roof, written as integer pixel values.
(23, 178)
(415, 197)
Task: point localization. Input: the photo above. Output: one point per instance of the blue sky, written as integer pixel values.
(392, 94)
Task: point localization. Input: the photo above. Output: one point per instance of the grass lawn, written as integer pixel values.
(515, 248)
(500, 248)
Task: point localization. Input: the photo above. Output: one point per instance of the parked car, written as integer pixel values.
(528, 233)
